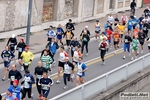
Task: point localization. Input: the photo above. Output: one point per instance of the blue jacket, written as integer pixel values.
(16, 91)
(7, 54)
(53, 47)
(60, 30)
(10, 97)
(134, 21)
(130, 24)
(75, 43)
(30, 78)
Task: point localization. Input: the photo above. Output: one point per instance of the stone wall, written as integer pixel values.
(14, 14)
(47, 14)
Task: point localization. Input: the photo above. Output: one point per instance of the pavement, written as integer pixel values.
(94, 64)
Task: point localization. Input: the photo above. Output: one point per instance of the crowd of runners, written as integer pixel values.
(129, 31)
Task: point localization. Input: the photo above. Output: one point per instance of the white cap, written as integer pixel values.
(135, 16)
(13, 35)
(86, 26)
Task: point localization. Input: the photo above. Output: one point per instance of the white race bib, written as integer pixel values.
(12, 78)
(20, 49)
(45, 87)
(39, 76)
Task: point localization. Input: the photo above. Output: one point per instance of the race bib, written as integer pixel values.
(26, 64)
(39, 76)
(26, 84)
(116, 39)
(45, 87)
(126, 40)
(85, 39)
(12, 78)
(6, 59)
(68, 37)
(73, 48)
(20, 49)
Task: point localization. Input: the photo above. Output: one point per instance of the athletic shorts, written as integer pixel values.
(121, 35)
(134, 48)
(148, 47)
(61, 64)
(142, 43)
(75, 62)
(80, 76)
(98, 31)
(116, 42)
(126, 47)
(109, 41)
(6, 64)
(129, 29)
(59, 37)
(68, 42)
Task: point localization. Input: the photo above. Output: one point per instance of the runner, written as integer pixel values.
(141, 37)
(148, 41)
(69, 35)
(46, 84)
(70, 25)
(121, 29)
(81, 69)
(109, 36)
(102, 36)
(59, 34)
(46, 61)
(76, 56)
(15, 89)
(145, 28)
(21, 47)
(116, 39)
(62, 56)
(26, 59)
(85, 41)
(141, 22)
(9, 95)
(127, 41)
(73, 44)
(103, 45)
(110, 19)
(38, 72)
(50, 34)
(12, 42)
(135, 46)
(124, 19)
(97, 29)
(68, 72)
(135, 22)
(135, 32)
(53, 46)
(116, 21)
(86, 29)
(132, 6)
(27, 84)
(7, 56)
(14, 74)
(130, 25)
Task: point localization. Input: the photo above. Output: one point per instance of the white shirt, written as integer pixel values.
(79, 72)
(75, 56)
(62, 57)
(111, 19)
(67, 69)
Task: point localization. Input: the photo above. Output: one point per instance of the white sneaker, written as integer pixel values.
(65, 87)
(32, 95)
(115, 52)
(142, 51)
(103, 63)
(22, 68)
(58, 81)
(3, 79)
(124, 57)
(132, 58)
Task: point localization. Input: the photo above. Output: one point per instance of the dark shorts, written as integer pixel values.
(49, 39)
(142, 43)
(61, 64)
(59, 37)
(98, 31)
(6, 64)
(121, 35)
(75, 62)
(45, 93)
(148, 47)
(68, 42)
(116, 43)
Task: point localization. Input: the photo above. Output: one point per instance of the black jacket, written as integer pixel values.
(12, 40)
(133, 5)
(70, 26)
(85, 38)
(21, 45)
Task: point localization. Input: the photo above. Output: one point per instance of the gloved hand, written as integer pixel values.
(30, 59)
(22, 82)
(29, 82)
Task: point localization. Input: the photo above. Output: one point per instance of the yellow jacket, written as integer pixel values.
(27, 56)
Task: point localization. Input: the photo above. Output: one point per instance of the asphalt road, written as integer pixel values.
(95, 68)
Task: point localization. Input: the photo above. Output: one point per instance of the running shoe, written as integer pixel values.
(124, 57)
(22, 68)
(58, 81)
(132, 58)
(65, 87)
(3, 79)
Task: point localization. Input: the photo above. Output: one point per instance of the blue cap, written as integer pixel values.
(10, 90)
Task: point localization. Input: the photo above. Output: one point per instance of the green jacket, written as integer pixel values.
(46, 61)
